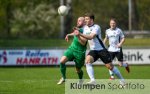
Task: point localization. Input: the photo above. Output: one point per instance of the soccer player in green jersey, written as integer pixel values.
(75, 52)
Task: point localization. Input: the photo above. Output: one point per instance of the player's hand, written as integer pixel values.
(75, 28)
(76, 32)
(66, 38)
(119, 45)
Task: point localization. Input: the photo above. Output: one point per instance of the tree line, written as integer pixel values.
(38, 19)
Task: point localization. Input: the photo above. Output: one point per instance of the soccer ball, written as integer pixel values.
(63, 10)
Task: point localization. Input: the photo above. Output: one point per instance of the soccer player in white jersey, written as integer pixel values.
(92, 32)
(116, 39)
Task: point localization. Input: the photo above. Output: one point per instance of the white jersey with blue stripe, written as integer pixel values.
(114, 36)
(95, 42)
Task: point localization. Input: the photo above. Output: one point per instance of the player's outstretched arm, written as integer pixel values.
(88, 37)
(82, 40)
(68, 35)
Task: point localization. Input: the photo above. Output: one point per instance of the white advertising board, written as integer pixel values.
(30, 57)
(52, 57)
(134, 56)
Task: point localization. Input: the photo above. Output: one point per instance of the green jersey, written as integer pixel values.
(76, 45)
(76, 52)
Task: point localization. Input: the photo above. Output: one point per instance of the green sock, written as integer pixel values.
(63, 70)
(80, 74)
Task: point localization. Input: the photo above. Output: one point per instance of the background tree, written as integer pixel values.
(35, 21)
(39, 18)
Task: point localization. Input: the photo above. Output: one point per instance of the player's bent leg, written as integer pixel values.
(89, 68)
(80, 75)
(63, 60)
(79, 63)
(124, 64)
(79, 72)
(110, 67)
(111, 75)
(114, 70)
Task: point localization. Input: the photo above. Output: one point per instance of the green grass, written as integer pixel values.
(57, 43)
(130, 42)
(31, 43)
(43, 80)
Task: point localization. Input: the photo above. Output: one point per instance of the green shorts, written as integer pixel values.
(76, 56)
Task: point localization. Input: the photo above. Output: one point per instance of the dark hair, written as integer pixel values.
(89, 15)
(113, 19)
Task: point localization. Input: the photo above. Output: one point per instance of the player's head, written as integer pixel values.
(89, 19)
(80, 22)
(112, 23)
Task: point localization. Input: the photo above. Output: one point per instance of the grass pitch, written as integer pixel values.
(35, 80)
(61, 43)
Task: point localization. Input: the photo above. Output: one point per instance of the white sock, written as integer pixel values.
(117, 72)
(90, 71)
(111, 74)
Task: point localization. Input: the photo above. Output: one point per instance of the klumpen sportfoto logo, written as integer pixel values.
(110, 86)
(106, 86)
